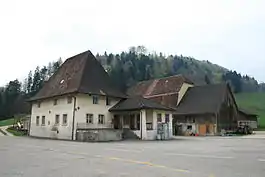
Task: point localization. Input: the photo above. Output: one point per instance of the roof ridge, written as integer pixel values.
(73, 57)
(179, 75)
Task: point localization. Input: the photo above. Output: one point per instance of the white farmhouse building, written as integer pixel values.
(80, 102)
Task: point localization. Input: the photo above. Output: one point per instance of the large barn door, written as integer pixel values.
(202, 129)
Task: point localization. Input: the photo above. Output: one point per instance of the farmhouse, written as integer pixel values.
(203, 110)
(80, 102)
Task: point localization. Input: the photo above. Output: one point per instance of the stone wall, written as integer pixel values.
(91, 135)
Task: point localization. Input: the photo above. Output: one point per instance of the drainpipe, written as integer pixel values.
(141, 127)
(73, 125)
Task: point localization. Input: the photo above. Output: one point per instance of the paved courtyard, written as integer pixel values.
(191, 157)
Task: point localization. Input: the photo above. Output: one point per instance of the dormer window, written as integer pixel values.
(95, 99)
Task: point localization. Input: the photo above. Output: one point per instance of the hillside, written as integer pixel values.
(253, 102)
(127, 68)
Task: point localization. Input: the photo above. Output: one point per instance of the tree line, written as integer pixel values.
(14, 96)
(126, 69)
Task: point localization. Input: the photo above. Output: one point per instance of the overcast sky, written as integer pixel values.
(230, 33)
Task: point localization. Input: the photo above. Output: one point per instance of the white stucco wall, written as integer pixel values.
(84, 105)
(183, 90)
(49, 110)
(151, 116)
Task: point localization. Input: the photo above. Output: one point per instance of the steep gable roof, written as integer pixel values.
(79, 74)
(137, 103)
(202, 99)
(170, 84)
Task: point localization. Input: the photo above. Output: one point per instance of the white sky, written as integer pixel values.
(230, 33)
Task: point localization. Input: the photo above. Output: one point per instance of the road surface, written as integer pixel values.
(201, 157)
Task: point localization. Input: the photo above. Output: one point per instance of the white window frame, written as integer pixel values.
(43, 122)
(57, 116)
(101, 119)
(95, 99)
(89, 118)
(65, 122)
(37, 120)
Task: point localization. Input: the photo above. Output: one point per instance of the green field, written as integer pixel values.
(254, 103)
(6, 122)
(16, 132)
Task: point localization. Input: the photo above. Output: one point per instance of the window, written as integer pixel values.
(149, 126)
(55, 102)
(108, 101)
(43, 120)
(64, 119)
(189, 127)
(89, 118)
(39, 104)
(38, 120)
(69, 100)
(159, 118)
(95, 99)
(101, 119)
(167, 118)
(57, 119)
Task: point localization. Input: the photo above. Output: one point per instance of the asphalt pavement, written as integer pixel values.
(191, 157)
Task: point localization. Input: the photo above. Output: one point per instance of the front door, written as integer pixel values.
(116, 122)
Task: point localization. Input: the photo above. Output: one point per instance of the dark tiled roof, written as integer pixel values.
(166, 100)
(243, 111)
(159, 86)
(137, 103)
(79, 74)
(202, 99)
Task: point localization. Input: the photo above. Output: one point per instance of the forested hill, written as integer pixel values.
(127, 68)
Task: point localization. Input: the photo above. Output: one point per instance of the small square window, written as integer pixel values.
(108, 101)
(57, 119)
(95, 99)
(64, 119)
(101, 119)
(43, 120)
(159, 118)
(39, 104)
(166, 118)
(89, 118)
(69, 100)
(38, 120)
(55, 102)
